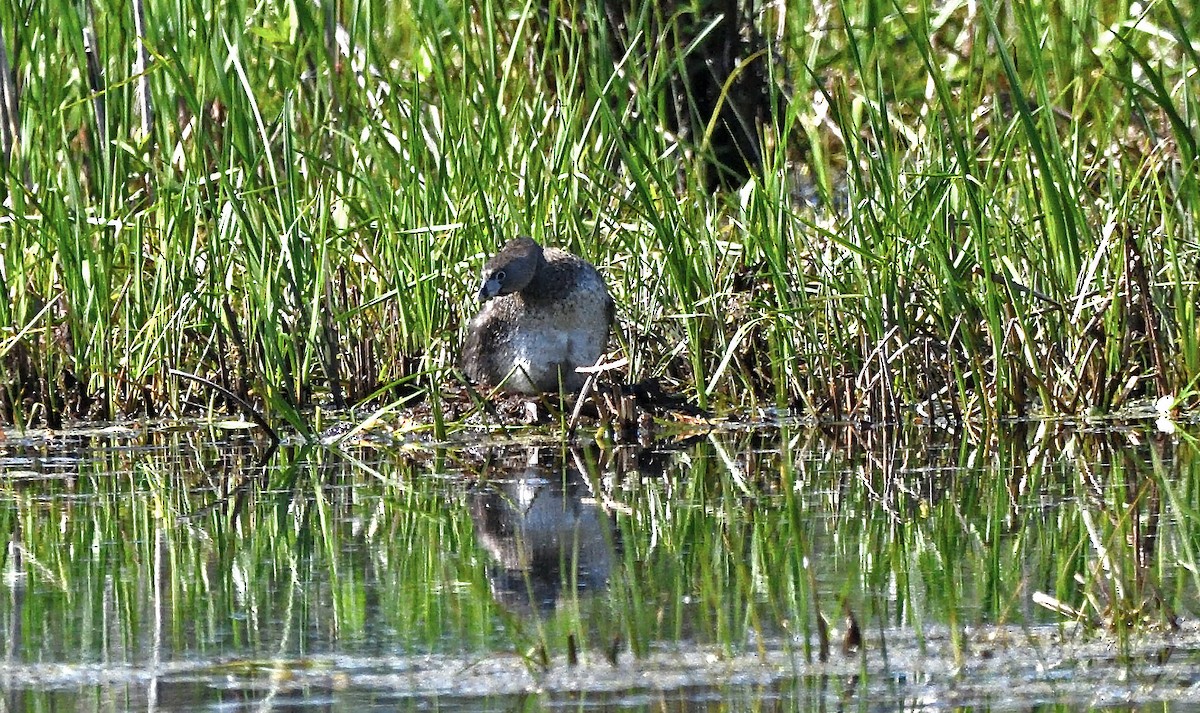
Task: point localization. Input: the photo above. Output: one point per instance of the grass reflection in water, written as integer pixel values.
(180, 559)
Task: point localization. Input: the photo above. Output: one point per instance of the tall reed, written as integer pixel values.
(981, 212)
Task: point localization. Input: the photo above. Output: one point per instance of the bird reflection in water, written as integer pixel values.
(547, 535)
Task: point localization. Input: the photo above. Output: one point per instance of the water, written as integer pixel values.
(196, 569)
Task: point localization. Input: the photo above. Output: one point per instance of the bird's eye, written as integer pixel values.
(498, 275)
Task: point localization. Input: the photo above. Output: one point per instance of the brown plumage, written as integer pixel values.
(545, 313)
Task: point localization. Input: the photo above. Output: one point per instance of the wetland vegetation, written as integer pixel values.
(978, 210)
(974, 222)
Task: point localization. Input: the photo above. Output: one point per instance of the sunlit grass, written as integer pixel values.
(985, 212)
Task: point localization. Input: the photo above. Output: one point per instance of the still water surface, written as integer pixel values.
(191, 569)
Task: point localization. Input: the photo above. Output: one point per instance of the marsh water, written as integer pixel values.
(757, 567)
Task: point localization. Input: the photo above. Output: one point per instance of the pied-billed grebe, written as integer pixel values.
(545, 313)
